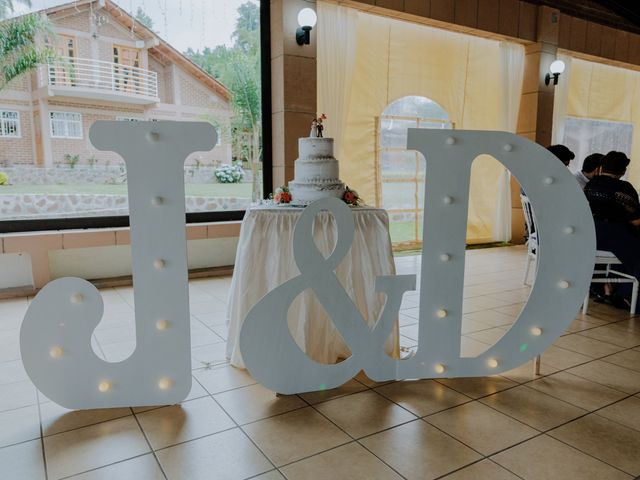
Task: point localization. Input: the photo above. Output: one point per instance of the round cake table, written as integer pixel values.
(264, 260)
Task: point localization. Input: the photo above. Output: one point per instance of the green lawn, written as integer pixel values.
(241, 190)
(403, 232)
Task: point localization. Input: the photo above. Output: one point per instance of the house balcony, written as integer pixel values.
(98, 80)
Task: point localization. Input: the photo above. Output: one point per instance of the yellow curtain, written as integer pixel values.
(604, 92)
(395, 59)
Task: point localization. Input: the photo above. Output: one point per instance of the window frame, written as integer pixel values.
(416, 181)
(3, 122)
(66, 121)
(72, 223)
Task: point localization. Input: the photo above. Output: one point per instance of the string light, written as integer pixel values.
(104, 386)
(442, 313)
(447, 200)
(56, 352)
(564, 284)
(445, 257)
(536, 331)
(492, 362)
(159, 264)
(77, 298)
(439, 368)
(162, 324)
(165, 383)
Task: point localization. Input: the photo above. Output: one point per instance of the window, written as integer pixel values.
(9, 124)
(401, 173)
(201, 68)
(66, 125)
(584, 136)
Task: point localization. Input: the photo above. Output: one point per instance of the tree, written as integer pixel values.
(20, 51)
(144, 19)
(238, 68)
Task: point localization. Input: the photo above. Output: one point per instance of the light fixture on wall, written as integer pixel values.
(555, 69)
(307, 20)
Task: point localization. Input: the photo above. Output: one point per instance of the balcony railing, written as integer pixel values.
(72, 73)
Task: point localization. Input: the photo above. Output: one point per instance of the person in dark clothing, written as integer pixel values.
(615, 207)
(590, 168)
(563, 153)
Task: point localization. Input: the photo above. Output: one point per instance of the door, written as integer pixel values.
(126, 73)
(63, 72)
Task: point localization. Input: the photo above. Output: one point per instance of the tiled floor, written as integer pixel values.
(579, 420)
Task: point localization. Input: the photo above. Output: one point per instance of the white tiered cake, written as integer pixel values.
(316, 172)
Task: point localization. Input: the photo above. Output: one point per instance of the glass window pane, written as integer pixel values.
(585, 136)
(415, 106)
(398, 165)
(399, 195)
(393, 132)
(221, 37)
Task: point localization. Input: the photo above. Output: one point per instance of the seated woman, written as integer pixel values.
(616, 214)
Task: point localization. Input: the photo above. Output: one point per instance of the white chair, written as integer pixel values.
(532, 240)
(611, 275)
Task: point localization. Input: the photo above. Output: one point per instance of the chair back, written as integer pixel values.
(528, 216)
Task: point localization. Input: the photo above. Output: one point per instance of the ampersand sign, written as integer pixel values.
(270, 352)
(565, 263)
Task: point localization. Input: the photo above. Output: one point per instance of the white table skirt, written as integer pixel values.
(264, 260)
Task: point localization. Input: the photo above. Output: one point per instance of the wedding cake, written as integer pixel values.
(316, 172)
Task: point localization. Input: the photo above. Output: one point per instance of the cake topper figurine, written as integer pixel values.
(317, 127)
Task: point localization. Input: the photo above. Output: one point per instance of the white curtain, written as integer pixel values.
(560, 100)
(511, 73)
(337, 35)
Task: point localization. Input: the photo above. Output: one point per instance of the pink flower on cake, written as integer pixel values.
(282, 195)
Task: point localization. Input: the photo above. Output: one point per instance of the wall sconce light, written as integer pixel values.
(555, 69)
(307, 20)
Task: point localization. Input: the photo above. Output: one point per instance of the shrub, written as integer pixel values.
(4, 178)
(229, 174)
(72, 160)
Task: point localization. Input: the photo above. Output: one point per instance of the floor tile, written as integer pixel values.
(482, 428)
(628, 358)
(352, 386)
(476, 387)
(272, 475)
(350, 461)
(22, 462)
(526, 373)
(140, 468)
(626, 412)
(91, 447)
(422, 397)
(610, 375)
(562, 359)
(533, 408)
(295, 435)
(57, 419)
(227, 455)
(19, 425)
(223, 378)
(485, 469)
(255, 402)
(546, 458)
(576, 390)
(604, 439)
(179, 423)
(17, 395)
(587, 346)
(613, 335)
(419, 451)
(364, 413)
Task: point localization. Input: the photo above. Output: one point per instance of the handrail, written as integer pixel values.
(100, 75)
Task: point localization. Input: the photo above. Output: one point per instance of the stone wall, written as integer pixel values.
(97, 175)
(26, 206)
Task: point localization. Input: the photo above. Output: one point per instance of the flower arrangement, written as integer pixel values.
(351, 197)
(282, 195)
(4, 178)
(229, 173)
